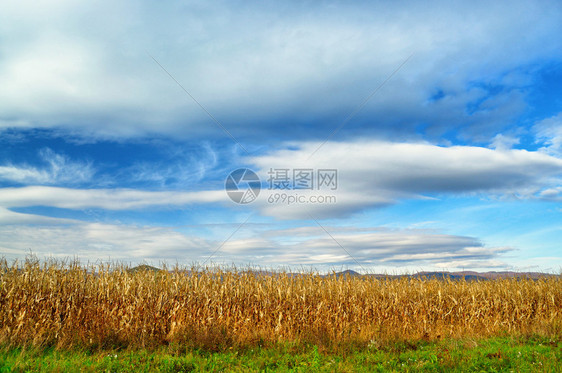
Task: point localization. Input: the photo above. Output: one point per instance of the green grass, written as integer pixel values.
(523, 354)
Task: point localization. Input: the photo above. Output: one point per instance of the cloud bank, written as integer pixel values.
(378, 173)
(298, 63)
(366, 250)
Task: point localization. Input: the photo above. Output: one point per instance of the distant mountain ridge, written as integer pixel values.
(466, 275)
(443, 275)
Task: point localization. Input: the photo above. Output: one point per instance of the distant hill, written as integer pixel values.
(348, 272)
(471, 275)
(144, 267)
(466, 275)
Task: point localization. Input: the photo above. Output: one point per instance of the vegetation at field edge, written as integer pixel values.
(532, 353)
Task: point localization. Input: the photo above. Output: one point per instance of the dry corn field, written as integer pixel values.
(67, 305)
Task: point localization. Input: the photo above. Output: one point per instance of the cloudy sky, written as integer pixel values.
(387, 136)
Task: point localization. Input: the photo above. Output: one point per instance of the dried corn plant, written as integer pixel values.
(64, 305)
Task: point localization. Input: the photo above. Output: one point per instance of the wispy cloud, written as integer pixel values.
(54, 169)
(549, 133)
(180, 168)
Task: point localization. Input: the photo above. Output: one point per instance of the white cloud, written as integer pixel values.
(182, 168)
(503, 142)
(377, 173)
(110, 199)
(23, 175)
(549, 132)
(58, 169)
(8, 217)
(375, 249)
(95, 241)
(552, 194)
(60, 69)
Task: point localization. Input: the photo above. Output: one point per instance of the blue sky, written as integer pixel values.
(119, 124)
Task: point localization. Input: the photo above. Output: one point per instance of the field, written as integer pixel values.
(57, 308)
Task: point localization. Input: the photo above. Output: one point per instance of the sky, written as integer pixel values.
(382, 137)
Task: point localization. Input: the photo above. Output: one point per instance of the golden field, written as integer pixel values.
(64, 305)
